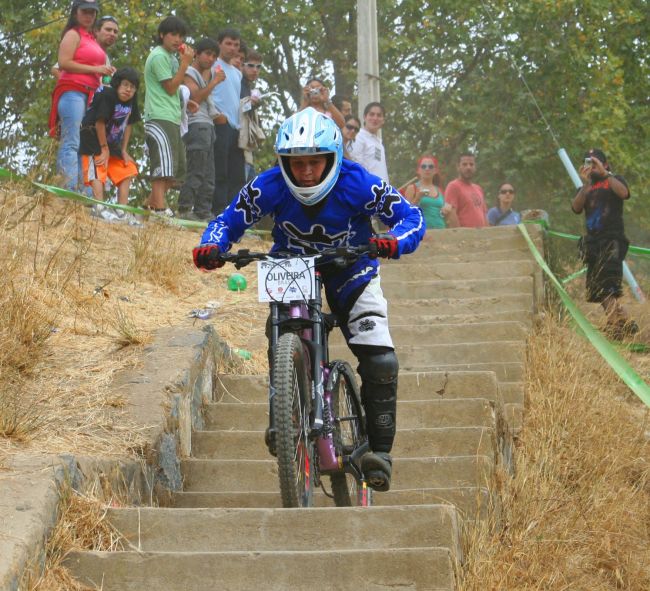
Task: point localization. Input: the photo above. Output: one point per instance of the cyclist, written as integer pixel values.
(318, 201)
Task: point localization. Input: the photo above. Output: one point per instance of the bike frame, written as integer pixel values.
(306, 320)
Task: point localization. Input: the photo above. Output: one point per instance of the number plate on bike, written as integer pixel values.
(286, 280)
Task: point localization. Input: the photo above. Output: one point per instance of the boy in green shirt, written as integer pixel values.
(163, 76)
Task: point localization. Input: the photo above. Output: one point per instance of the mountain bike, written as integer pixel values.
(317, 426)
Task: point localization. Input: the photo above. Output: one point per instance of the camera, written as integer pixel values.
(314, 92)
(588, 161)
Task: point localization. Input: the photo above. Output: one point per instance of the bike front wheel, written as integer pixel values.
(295, 451)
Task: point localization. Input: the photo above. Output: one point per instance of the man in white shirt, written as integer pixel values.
(368, 149)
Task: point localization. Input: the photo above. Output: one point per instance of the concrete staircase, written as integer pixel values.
(461, 308)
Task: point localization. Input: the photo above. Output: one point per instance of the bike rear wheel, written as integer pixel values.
(295, 451)
(349, 434)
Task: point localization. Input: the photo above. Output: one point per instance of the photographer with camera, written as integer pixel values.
(317, 96)
(604, 246)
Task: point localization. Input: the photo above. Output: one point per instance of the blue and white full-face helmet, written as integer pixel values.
(305, 133)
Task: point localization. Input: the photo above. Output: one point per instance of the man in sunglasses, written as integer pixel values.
(250, 97)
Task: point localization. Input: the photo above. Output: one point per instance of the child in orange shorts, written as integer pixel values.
(105, 135)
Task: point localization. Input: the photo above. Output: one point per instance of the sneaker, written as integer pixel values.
(103, 213)
(377, 467)
(164, 212)
(126, 217)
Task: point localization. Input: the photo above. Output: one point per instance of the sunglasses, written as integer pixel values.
(507, 191)
(256, 66)
(107, 18)
(427, 166)
(352, 127)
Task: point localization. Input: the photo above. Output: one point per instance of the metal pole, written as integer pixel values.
(367, 53)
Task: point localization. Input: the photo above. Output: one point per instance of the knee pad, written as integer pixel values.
(379, 367)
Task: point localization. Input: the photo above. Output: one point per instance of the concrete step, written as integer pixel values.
(493, 255)
(458, 304)
(512, 392)
(450, 334)
(428, 569)
(437, 441)
(266, 530)
(261, 475)
(440, 384)
(411, 414)
(450, 244)
(456, 288)
(505, 372)
(409, 333)
(424, 317)
(469, 353)
(469, 500)
(412, 386)
(404, 270)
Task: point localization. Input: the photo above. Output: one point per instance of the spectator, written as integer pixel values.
(195, 199)
(503, 214)
(83, 63)
(427, 193)
(105, 135)
(228, 157)
(605, 245)
(106, 31)
(466, 198)
(163, 75)
(343, 104)
(250, 133)
(317, 96)
(240, 58)
(350, 131)
(368, 149)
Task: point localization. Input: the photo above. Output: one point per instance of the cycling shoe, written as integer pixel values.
(377, 468)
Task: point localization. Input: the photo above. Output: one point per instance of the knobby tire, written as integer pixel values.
(291, 416)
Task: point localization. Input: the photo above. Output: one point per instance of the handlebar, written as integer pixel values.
(341, 256)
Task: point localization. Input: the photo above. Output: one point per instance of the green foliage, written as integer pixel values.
(448, 80)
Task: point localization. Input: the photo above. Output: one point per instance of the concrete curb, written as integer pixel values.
(165, 399)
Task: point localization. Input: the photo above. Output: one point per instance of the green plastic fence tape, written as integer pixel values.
(636, 250)
(602, 345)
(74, 196)
(574, 276)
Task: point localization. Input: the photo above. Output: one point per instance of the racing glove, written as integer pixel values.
(384, 246)
(206, 256)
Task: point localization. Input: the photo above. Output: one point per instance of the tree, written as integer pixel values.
(448, 79)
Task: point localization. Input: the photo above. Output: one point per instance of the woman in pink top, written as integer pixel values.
(83, 63)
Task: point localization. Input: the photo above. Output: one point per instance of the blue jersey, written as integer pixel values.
(342, 218)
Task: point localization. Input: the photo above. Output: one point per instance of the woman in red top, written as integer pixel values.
(83, 63)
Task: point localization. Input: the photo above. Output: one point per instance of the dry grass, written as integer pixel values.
(78, 299)
(577, 513)
(82, 525)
